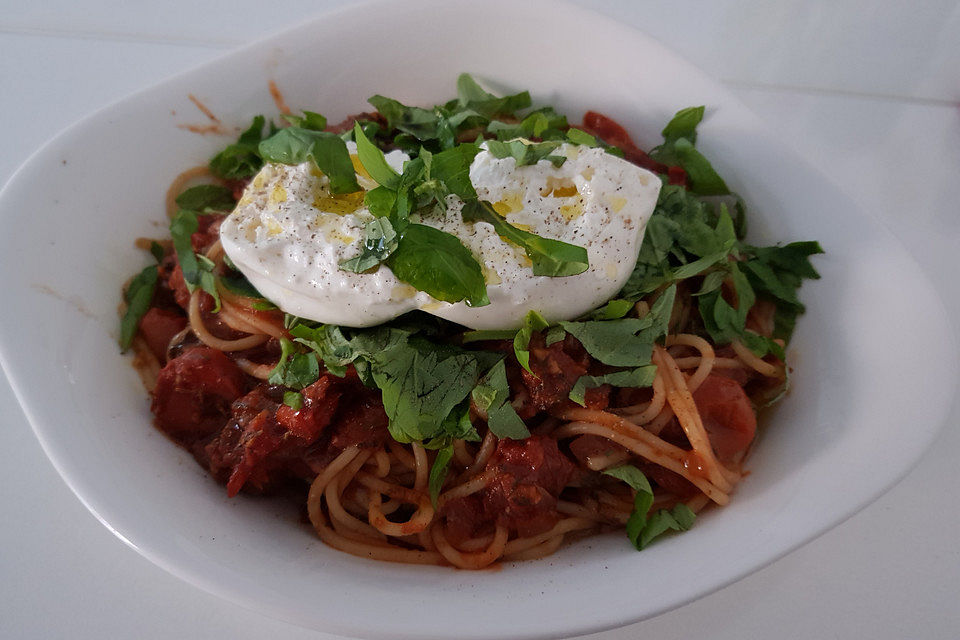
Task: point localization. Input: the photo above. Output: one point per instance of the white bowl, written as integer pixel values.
(874, 360)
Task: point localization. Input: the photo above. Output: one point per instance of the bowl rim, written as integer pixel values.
(27, 402)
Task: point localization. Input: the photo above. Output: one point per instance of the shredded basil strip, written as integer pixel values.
(138, 297)
(643, 527)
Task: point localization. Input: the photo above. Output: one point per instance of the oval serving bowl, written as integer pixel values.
(863, 407)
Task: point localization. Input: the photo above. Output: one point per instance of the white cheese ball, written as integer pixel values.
(288, 235)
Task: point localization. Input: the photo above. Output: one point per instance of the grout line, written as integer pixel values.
(842, 93)
(112, 36)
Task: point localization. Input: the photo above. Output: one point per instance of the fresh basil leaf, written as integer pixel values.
(374, 161)
(238, 284)
(679, 518)
(183, 225)
(424, 384)
(380, 201)
(613, 309)
(550, 257)
(544, 123)
(632, 476)
(480, 335)
(679, 137)
(241, 159)
(293, 399)
(295, 370)
(526, 153)
(793, 258)
(328, 151)
(642, 499)
(722, 321)
(576, 136)
(631, 378)
(309, 120)
(438, 472)
(554, 334)
(521, 342)
(437, 263)
(703, 179)
(643, 528)
(492, 395)
(380, 241)
(456, 426)
(421, 385)
(157, 251)
(208, 280)
(419, 123)
(627, 342)
(138, 296)
(206, 197)
(472, 96)
(197, 270)
(451, 168)
(278, 373)
(684, 125)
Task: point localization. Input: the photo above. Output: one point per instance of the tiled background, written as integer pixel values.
(868, 91)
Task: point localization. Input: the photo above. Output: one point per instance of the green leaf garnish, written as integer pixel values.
(309, 120)
(374, 161)
(642, 528)
(424, 384)
(241, 159)
(380, 241)
(197, 270)
(550, 257)
(156, 251)
(471, 95)
(328, 151)
(294, 369)
(438, 472)
(631, 378)
(526, 153)
(521, 342)
(627, 342)
(293, 399)
(206, 197)
(436, 262)
(138, 297)
(492, 395)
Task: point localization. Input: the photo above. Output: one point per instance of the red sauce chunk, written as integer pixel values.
(158, 326)
(194, 392)
(528, 478)
(727, 416)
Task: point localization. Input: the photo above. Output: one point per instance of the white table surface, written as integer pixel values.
(869, 91)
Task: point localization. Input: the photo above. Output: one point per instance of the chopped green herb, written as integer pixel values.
(242, 159)
(492, 395)
(643, 528)
(138, 296)
(626, 342)
(438, 472)
(436, 262)
(632, 378)
(293, 399)
(550, 257)
(521, 342)
(294, 369)
(379, 242)
(328, 151)
(374, 161)
(309, 120)
(206, 197)
(526, 153)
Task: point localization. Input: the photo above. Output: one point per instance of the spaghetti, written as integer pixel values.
(211, 366)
